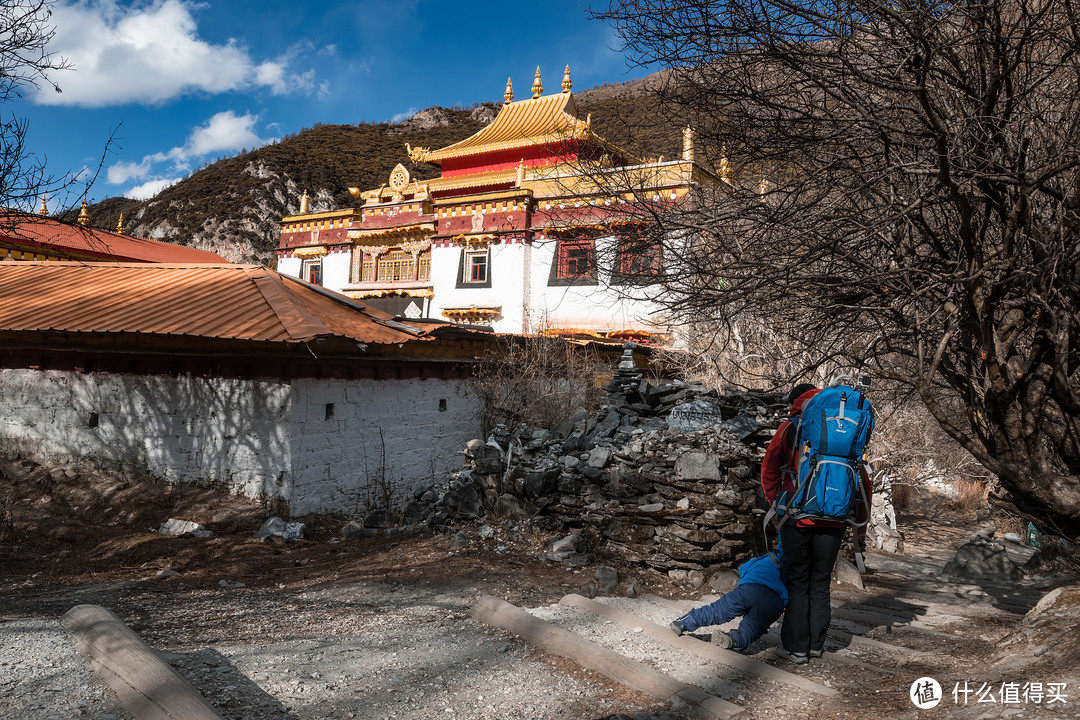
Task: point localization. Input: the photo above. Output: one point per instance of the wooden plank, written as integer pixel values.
(841, 636)
(631, 673)
(748, 665)
(148, 687)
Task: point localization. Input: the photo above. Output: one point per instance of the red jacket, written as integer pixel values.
(778, 467)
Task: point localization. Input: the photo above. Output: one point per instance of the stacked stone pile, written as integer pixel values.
(665, 476)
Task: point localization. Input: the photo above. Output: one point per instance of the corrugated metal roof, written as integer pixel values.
(231, 302)
(48, 233)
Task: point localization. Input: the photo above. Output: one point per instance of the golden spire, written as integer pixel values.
(84, 214)
(120, 225)
(688, 144)
(303, 203)
(724, 163)
(520, 172)
(43, 211)
(566, 80)
(537, 87)
(509, 94)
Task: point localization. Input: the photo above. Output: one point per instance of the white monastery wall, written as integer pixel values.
(379, 437)
(256, 437)
(291, 266)
(336, 267)
(180, 429)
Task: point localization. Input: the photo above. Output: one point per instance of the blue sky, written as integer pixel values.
(183, 83)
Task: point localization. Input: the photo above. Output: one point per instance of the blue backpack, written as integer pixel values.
(830, 437)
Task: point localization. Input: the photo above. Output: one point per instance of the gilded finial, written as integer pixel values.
(537, 88)
(588, 123)
(566, 80)
(724, 163)
(120, 225)
(688, 144)
(521, 172)
(44, 209)
(509, 94)
(84, 214)
(303, 203)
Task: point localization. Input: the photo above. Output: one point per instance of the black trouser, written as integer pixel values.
(809, 556)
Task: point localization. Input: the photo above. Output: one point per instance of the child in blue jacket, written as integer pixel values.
(759, 598)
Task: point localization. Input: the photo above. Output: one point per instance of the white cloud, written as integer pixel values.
(403, 116)
(150, 188)
(150, 54)
(225, 132)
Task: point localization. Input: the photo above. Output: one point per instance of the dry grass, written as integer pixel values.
(971, 496)
(904, 496)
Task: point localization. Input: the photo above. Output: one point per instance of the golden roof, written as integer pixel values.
(547, 119)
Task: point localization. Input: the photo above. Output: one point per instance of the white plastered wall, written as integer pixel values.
(256, 437)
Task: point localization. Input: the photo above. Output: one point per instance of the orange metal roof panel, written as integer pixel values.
(50, 233)
(235, 302)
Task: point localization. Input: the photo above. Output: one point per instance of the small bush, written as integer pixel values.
(971, 496)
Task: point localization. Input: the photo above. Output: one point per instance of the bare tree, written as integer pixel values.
(904, 198)
(25, 62)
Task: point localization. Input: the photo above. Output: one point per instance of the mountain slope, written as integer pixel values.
(233, 206)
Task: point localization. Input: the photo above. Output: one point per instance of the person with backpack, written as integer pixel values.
(794, 480)
(759, 597)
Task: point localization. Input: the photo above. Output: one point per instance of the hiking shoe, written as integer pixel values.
(723, 640)
(816, 653)
(797, 658)
(677, 627)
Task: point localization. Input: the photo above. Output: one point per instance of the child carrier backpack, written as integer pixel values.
(829, 438)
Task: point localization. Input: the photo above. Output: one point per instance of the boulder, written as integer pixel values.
(463, 502)
(607, 580)
(356, 531)
(488, 459)
(275, 527)
(983, 560)
(698, 466)
(845, 572)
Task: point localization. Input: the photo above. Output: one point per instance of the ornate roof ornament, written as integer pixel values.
(303, 203)
(120, 225)
(566, 80)
(44, 209)
(724, 163)
(538, 87)
(508, 96)
(417, 155)
(84, 214)
(688, 144)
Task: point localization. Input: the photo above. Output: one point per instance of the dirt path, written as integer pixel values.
(381, 628)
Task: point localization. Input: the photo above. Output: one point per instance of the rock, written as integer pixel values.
(165, 573)
(742, 426)
(486, 532)
(607, 580)
(1046, 641)
(723, 581)
(599, 457)
(983, 560)
(698, 466)
(569, 462)
(378, 519)
(356, 531)
(683, 504)
(578, 560)
(463, 502)
(488, 459)
(633, 588)
(845, 572)
(884, 538)
(1013, 538)
(573, 543)
(538, 483)
(178, 528)
(693, 416)
(651, 507)
(696, 578)
(275, 527)
(457, 541)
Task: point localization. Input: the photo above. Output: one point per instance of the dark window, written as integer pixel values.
(575, 259)
(575, 263)
(313, 271)
(476, 267)
(639, 259)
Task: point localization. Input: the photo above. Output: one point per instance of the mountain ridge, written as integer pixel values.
(233, 207)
